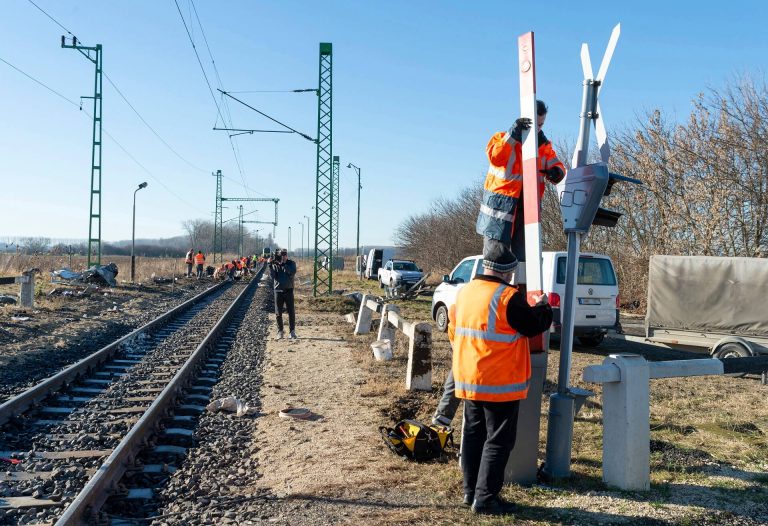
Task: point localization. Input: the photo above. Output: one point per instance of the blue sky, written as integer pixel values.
(418, 87)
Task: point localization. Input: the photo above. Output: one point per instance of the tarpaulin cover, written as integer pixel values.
(708, 294)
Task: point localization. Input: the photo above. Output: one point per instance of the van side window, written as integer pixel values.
(463, 272)
(592, 271)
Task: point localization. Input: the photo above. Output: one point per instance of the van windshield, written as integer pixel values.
(405, 265)
(592, 271)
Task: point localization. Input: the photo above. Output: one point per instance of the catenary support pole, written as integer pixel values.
(94, 54)
(323, 264)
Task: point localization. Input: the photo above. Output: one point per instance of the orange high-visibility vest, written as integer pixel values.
(504, 183)
(199, 259)
(491, 360)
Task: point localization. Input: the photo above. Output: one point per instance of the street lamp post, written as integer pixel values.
(302, 238)
(289, 239)
(309, 230)
(133, 234)
(359, 187)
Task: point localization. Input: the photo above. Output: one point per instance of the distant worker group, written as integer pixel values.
(230, 270)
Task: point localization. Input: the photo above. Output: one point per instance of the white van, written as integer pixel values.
(597, 293)
(375, 259)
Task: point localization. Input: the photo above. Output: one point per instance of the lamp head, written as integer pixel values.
(142, 185)
(349, 165)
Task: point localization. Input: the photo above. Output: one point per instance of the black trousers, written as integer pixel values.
(284, 302)
(490, 429)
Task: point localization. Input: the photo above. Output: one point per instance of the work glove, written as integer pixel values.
(554, 174)
(516, 131)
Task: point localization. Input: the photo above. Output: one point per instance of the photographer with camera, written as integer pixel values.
(282, 271)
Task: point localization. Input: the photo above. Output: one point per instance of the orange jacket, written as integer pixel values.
(199, 259)
(504, 183)
(491, 360)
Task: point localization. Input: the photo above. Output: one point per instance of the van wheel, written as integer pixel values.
(441, 318)
(591, 341)
(732, 350)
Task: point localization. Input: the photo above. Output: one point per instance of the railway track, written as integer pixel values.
(66, 443)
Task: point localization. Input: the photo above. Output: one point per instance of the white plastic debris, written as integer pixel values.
(231, 404)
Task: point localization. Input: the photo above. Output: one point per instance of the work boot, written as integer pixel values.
(293, 335)
(469, 498)
(279, 335)
(441, 420)
(495, 506)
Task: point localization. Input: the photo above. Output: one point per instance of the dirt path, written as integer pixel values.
(334, 467)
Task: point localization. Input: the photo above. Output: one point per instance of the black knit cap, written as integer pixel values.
(498, 257)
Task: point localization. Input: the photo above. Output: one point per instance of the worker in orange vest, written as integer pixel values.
(501, 212)
(199, 261)
(489, 326)
(189, 260)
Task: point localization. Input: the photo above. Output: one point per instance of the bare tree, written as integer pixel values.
(35, 245)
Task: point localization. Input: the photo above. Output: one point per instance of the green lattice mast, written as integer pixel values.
(323, 273)
(94, 218)
(218, 222)
(335, 224)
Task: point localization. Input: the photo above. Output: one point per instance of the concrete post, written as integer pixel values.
(386, 330)
(364, 317)
(522, 466)
(419, 372)
(626, 425)
(27, 295)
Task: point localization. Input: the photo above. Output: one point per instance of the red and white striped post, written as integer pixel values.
(531, 180)
(522, 466)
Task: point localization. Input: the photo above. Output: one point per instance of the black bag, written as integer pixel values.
(417, 441)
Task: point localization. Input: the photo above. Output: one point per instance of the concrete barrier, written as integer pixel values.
(626, 411)
(419, 371)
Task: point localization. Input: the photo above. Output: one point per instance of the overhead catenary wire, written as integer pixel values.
(177, 154)
(188, 30)
(220, 114)
(143, 120)
(111, 137)
(234, 144)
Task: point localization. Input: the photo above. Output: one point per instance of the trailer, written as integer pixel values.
(717, 305)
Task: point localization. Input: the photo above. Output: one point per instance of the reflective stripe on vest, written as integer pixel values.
(492, 389)
(490, 334)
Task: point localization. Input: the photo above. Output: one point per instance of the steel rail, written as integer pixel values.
(23, 401)
(97, 490)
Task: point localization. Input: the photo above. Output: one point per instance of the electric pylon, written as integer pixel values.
(94, 217)
(218, 222)
(323, 271)
(336, 202)
(240, 233)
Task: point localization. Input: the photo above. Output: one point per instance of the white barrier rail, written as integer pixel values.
(419, 370)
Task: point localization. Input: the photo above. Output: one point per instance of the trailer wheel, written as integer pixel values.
(732, 350)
